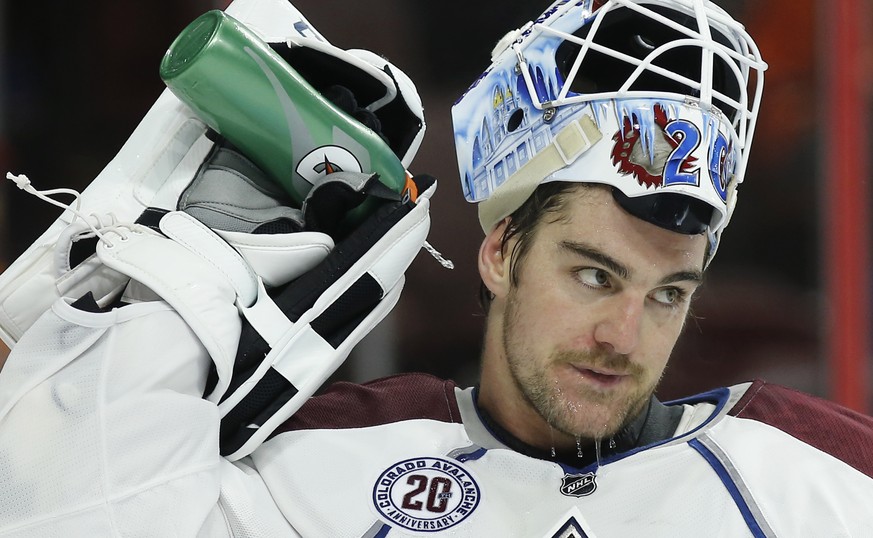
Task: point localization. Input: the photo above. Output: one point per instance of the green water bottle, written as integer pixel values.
(245, 91)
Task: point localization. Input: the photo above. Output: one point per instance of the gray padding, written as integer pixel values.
(230, 193)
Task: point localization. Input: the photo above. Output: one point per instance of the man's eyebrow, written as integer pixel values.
(693, 276)
(597, 256)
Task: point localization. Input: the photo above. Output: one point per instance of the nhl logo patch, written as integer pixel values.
(425, 494)
(578, 485)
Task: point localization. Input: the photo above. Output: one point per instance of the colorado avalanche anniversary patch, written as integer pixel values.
(425, 494)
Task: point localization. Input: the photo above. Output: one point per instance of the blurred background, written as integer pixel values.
(787, 299)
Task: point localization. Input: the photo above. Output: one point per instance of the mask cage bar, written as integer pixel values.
(741, 64)
(747, 59)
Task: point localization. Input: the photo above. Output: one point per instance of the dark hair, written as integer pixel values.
(547, 199)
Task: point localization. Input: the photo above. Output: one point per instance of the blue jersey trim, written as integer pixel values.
(470, 456)
(719, 397)
(729, 484)
(383, 532)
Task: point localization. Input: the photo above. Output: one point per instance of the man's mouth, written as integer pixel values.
(601, 376)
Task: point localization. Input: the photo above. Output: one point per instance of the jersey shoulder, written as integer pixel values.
(825, 425)
(383, 401)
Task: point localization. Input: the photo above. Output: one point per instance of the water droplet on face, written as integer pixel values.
(597, 442)
(552, 437)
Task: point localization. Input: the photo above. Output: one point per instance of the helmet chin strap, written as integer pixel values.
(569, 144)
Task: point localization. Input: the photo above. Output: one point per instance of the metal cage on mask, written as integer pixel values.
(656, 98)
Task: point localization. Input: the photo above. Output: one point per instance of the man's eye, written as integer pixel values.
(669, 296)
(593, 277)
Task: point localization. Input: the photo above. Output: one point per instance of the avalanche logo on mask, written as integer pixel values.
(425, 494)
(648, 150)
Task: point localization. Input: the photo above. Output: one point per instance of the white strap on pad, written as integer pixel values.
(280, 258)
(202, 241)
(204, 296)
(211, 285)
(305, 357)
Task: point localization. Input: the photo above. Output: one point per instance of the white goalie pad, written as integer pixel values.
(153, 168)
(283, 358)
(278, 307)
(271, 350)
(203, 288)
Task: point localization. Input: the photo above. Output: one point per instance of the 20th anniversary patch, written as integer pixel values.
(425, 494)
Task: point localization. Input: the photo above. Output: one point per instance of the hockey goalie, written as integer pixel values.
(167, 329)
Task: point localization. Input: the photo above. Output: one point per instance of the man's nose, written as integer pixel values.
(621, 323)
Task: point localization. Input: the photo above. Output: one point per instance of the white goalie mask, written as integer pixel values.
(656, 98)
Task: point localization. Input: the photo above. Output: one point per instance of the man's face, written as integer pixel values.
(600, 300)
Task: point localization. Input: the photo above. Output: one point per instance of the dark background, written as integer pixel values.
(78, 77)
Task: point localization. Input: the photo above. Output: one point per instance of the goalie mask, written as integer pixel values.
(655, 98)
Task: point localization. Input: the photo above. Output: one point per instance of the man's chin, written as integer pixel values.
(586, 421)
(597, 417)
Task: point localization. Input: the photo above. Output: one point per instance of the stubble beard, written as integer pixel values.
(586, 413)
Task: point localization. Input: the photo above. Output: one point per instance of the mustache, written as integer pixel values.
(599, 359)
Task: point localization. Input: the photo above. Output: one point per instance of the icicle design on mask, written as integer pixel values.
(641, 112)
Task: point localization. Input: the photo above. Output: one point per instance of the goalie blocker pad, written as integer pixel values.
(157, 163)
(281, 362)
(289, 340)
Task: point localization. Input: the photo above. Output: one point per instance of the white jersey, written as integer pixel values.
(103, 432)
(409, 455)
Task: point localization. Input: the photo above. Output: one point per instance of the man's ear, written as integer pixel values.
(494, 262)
